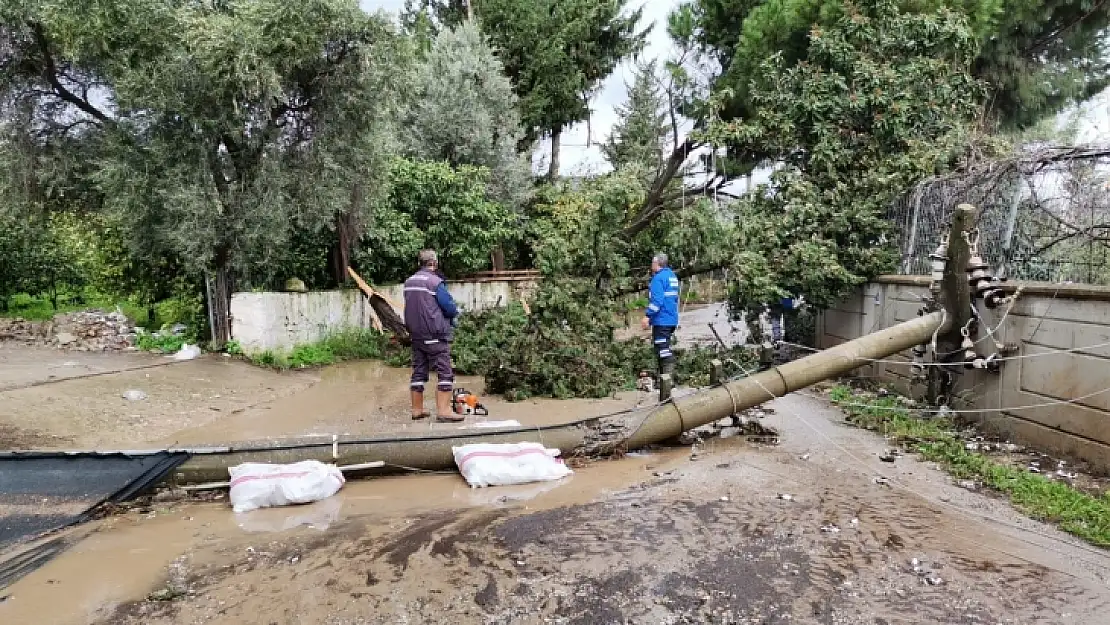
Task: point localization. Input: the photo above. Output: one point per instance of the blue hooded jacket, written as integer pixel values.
(662, 308)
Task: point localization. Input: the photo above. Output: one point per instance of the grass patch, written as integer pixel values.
(1076, 512)
(165, 344)
(338, 347)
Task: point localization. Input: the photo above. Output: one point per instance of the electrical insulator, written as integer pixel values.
(968, 346)
(938, 260)
(918, 366)
(990, 363)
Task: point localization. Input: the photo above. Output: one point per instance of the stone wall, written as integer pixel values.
(280, 321)
(1047, 318)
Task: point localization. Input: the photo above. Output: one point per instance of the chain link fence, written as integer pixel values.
(1044, 217)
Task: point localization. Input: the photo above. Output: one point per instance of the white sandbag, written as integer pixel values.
(187, 352)
(486, 464)
(257, 485)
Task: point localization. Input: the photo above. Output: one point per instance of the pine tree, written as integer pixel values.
(642, 131)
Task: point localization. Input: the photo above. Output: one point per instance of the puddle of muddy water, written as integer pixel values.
(126, 557)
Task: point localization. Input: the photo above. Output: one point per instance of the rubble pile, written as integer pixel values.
(19, 329)
(746, 424)
(86, 331)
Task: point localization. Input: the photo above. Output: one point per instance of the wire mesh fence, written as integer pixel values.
(1045, 216)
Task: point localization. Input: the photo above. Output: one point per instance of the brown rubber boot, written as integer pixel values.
(418, 411)
(444, 413)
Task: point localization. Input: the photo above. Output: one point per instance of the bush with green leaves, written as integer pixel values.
(432, 204)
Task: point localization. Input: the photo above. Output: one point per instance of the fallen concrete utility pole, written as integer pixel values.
(587, 437)
(691, 411)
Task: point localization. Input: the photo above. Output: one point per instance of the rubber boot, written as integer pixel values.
(668, 366)
(418, 411)
(666, 379)
(444, 413)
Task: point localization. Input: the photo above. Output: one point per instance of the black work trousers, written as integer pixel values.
(661, 341)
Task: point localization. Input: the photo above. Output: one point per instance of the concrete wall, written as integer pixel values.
(280, 321)
(1046, 318)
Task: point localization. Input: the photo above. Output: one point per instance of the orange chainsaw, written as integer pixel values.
(466, 403)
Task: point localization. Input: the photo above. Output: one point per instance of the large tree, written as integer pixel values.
(883, 99)
(221, 122)
(1037, 56)
(465, 113)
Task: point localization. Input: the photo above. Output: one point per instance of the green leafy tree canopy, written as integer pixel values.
(883, 99)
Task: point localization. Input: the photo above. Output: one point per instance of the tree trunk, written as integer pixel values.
(219, 303)
(346, 234)
(553, 172)
(341, 248)
(498, 257)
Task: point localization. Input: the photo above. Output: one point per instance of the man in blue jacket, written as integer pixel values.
(430, 314)
(662, 311)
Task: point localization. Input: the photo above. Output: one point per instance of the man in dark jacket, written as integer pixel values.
(662, 312)
(430, 314)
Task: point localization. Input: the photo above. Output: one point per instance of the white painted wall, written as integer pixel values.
(280, 321)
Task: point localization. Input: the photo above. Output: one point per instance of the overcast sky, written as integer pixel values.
(577, 158)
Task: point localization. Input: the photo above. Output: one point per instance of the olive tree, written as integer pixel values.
(222, 123)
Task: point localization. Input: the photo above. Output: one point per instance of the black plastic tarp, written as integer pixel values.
(44, 492)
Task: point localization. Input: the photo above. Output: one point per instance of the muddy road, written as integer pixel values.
(811, 529)
(729, 531)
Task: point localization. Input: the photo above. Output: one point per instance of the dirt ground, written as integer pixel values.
(813, 529)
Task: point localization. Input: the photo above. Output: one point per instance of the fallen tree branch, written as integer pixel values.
(654, 204)
(642, 283)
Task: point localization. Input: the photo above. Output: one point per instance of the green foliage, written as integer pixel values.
(1038, 56)
(566, 348)
(17, 242)
(699, 232)
(466, 114)
(480, 337)
(884, 99)
(564, 351)
(557, 52)
(229, 122)
(574, 231)
(162, 343)
(432, 204)
(1074, 511)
